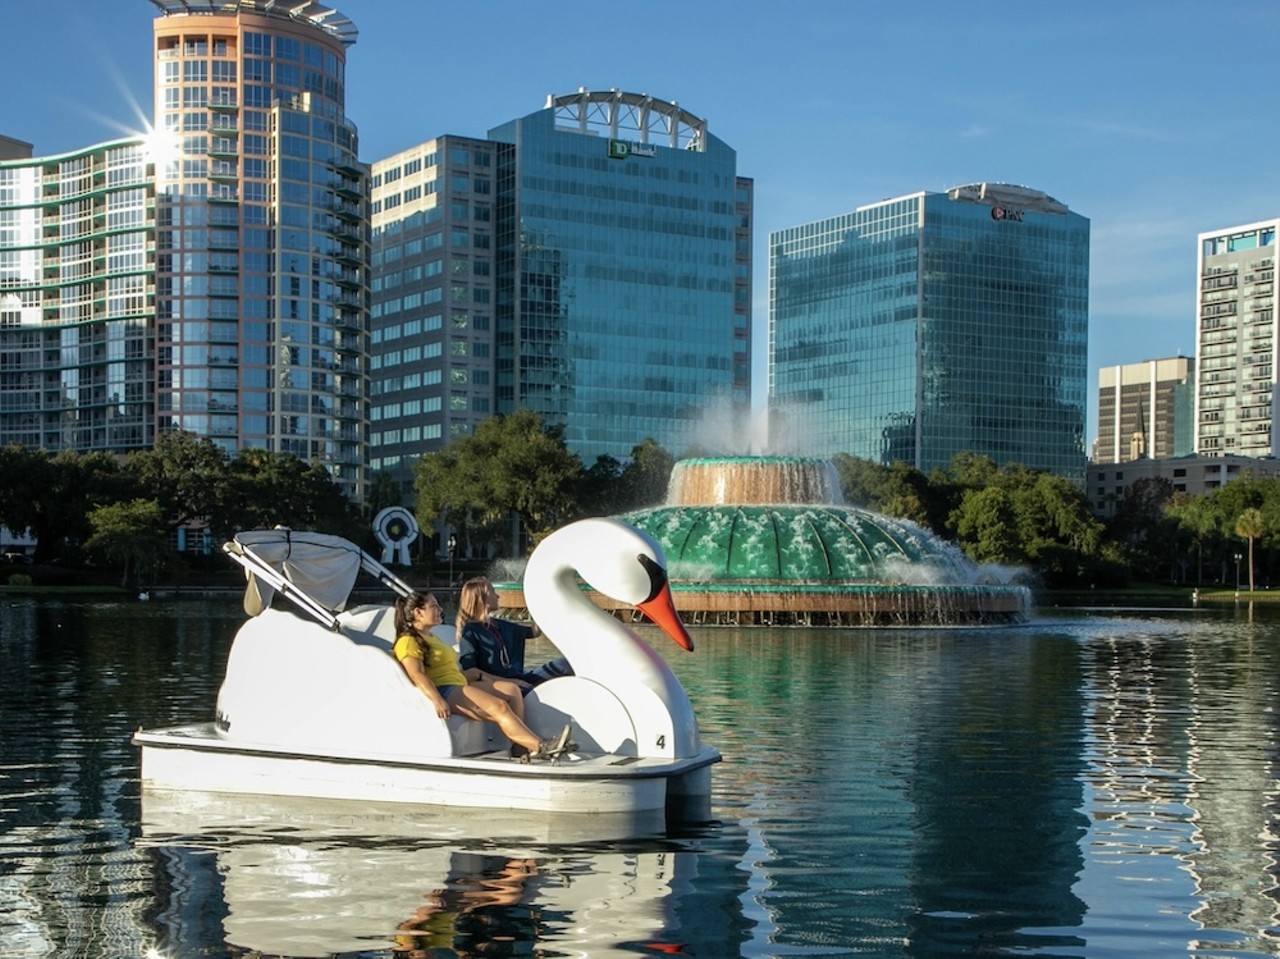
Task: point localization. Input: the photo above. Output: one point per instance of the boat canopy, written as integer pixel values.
(315, 570)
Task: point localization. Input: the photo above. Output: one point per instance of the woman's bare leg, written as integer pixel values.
(505, 689)
(474, 703)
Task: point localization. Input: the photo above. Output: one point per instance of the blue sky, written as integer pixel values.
(1153, 119)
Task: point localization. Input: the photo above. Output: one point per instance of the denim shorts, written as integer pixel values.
(447, 691)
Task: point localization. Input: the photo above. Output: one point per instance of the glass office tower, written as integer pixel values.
(262, 235)
(77, 299)
(623, 261)
(934, 324)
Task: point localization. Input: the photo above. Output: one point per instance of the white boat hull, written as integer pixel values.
(195, 757)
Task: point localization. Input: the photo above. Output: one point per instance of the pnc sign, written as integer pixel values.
(621, 149)
(1004, 213)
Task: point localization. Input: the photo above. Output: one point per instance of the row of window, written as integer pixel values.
(410, 434)
(458, 156)
(411, 354)
(255, 45)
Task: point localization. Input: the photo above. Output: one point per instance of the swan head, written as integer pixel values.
(622, 563)
(659, 606)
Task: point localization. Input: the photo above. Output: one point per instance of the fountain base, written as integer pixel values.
(850, 605)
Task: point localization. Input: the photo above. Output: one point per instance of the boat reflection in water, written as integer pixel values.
(305, 877)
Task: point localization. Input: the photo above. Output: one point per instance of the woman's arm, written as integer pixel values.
(417, 674)
(467, 652)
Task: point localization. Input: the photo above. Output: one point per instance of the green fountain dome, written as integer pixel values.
(766, 540)
(761, 520)
(796, 544)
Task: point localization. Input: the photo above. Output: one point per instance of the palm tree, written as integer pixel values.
(1251, 524)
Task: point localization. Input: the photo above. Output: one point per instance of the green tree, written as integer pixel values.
(77, 482)
(600, 487)
(1194, 517)
(23, 474)
(609, 486)
(1222, 508)
(973, 471)
(1026, 517)
(512, 469)
(968, 473)
(1145, 529)
(1251, 525)
(185, 474)
(131, 534)
(647, 475)
(985, 525)
(262, 489)
(864, 483)
(896, 490)
(50, 496)
(383, 492)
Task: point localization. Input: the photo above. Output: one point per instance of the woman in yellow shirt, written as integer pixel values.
(432, 666)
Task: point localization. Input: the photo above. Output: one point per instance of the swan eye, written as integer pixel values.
(657, 576)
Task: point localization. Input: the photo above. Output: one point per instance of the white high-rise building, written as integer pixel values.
(1236, 341)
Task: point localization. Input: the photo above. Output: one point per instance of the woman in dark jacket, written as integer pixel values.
(497, 645)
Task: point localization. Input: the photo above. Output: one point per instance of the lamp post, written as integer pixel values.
(1237, 574)
(453, 548)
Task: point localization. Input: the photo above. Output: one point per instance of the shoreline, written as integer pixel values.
(1172, 597)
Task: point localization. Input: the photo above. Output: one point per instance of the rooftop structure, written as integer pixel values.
(303, 11)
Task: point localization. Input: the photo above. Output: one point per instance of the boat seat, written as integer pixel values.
(376, 626)
(471, 737)
(370, 626)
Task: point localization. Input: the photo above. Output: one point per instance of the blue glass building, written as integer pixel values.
(623, 259)
(590, 262)
(933, 324)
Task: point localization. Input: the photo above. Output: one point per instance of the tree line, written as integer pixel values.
(121, 510)
(514, 480)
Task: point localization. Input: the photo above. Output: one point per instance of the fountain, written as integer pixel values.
(765, 540)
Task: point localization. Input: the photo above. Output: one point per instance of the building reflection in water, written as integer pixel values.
(1183, 779)
(909, 791)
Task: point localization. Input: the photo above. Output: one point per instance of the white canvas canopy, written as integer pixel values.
(315, 570)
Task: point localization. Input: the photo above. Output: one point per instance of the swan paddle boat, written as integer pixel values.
(315, 705)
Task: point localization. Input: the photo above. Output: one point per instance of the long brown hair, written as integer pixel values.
(406, 606)
(472, 605)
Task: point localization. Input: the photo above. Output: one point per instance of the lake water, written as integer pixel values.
(1098, 784)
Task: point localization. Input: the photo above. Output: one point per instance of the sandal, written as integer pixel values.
(553, 747)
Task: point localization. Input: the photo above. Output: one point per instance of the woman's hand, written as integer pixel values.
(442, 707)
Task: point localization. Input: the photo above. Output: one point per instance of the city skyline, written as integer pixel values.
(1114, 111)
